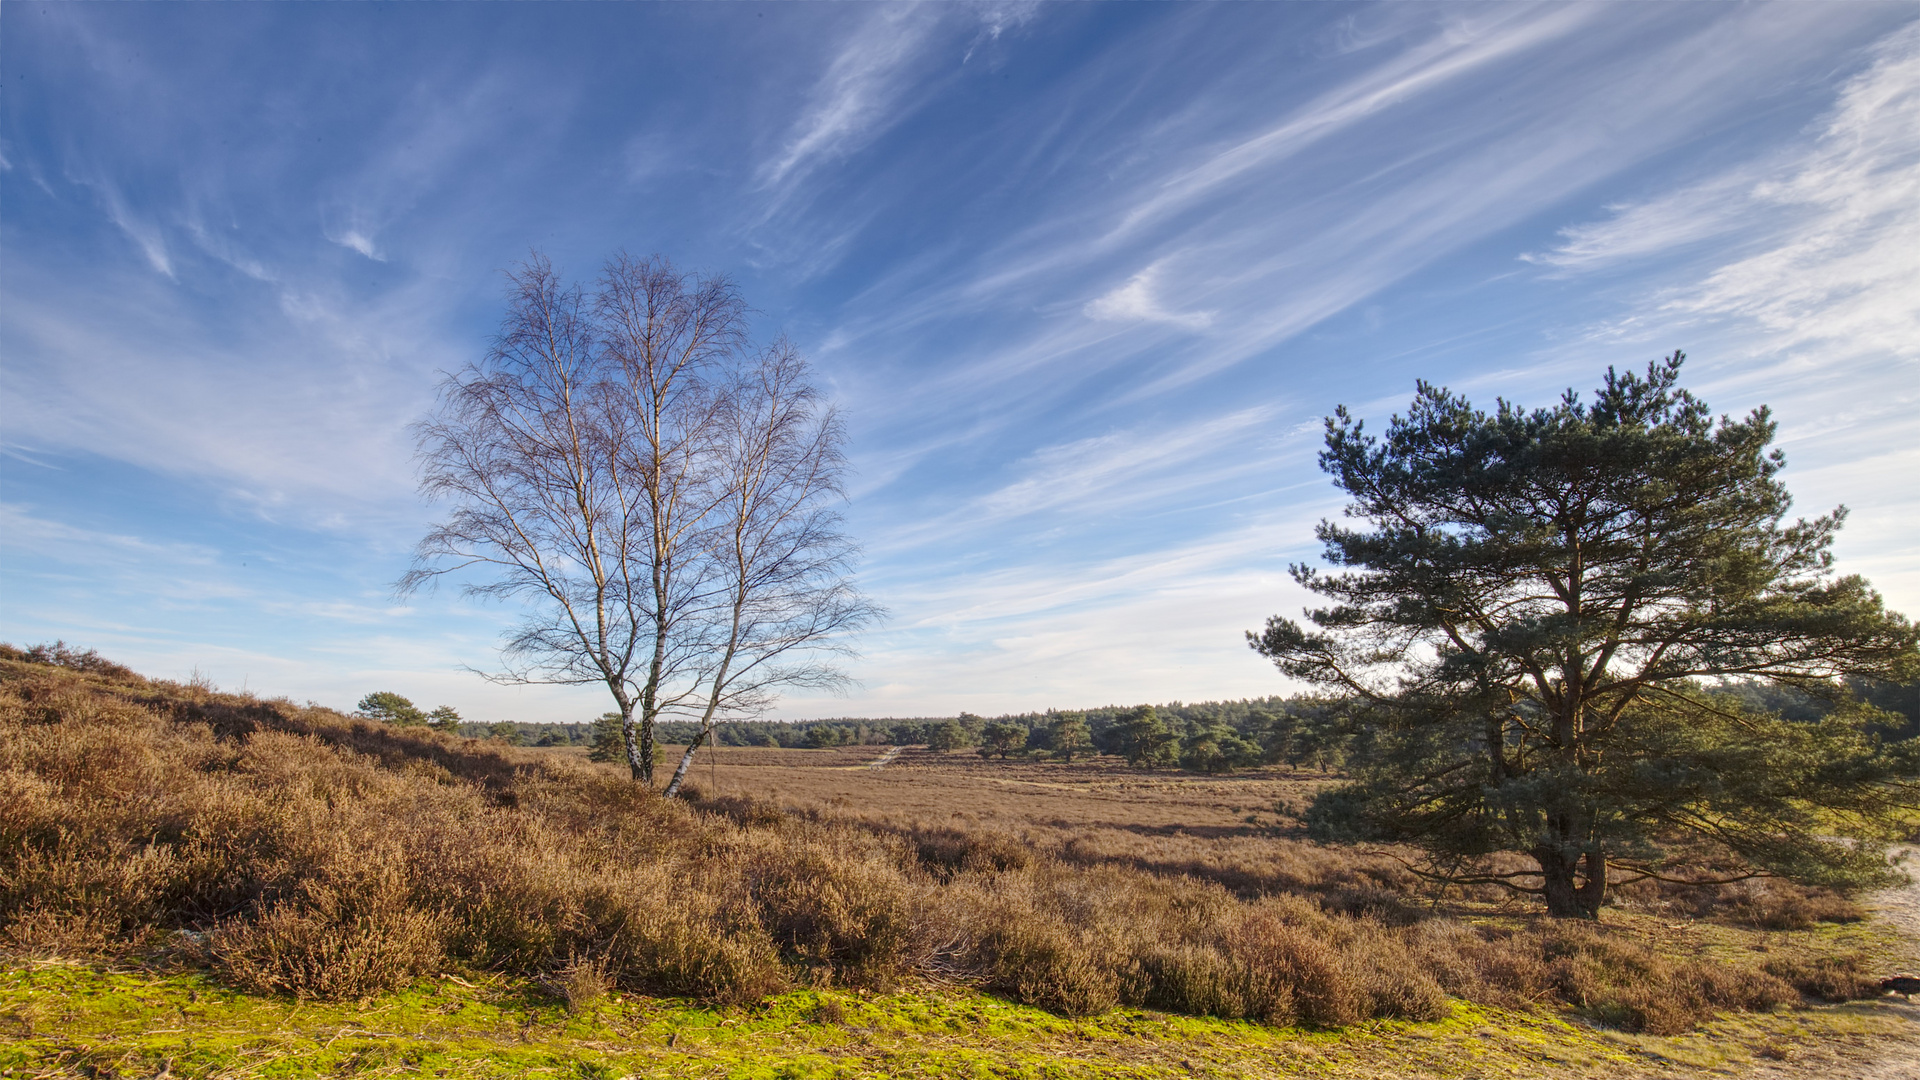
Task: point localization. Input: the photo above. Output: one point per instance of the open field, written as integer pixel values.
(199, 884)
(919, 787)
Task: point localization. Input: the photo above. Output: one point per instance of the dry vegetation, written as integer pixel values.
(294, 850)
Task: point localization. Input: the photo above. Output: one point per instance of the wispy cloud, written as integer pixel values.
(1460, 48)
(1426, 162)
(226, 251)
(144, 233)
(355, 240)
(1829, 232)
(27, 531)
(1687, 216)
(1135, 301)
(1848, 269)
(147, 382)
(859, 95)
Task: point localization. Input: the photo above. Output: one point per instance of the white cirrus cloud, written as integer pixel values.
(855, 99)
(355, 240)
(1826, 237)
(145, 234)
(1462, 48)
(1136, 301)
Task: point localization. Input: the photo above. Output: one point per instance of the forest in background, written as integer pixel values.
(1206, 736)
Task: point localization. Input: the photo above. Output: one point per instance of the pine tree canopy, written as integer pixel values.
(1531, 619)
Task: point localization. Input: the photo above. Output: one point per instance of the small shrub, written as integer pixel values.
(835, 908)
(827, 1010)
(333, 944)
(953, 851)
(55, 933)
(581, 982)
(1288, 962)
(1047, 967)
(1848, 977)
(700, 941)
(1496, 966)
(1772, 904)
(1204, 981)
(1627, 986)
(1391, 979)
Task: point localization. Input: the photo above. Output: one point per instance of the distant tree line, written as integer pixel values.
(1304, 732)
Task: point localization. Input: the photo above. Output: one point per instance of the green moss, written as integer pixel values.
(71, 1020)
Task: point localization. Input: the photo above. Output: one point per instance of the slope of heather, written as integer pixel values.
(287, 852)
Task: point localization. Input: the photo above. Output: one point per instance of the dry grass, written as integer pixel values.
(1241, 831)
(299, 851)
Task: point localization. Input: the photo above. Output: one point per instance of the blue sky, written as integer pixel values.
(1082, 278)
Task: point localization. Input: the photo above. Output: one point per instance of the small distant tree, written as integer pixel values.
(1275, 732)
(1002, 739)
(505, 731)
(948, 735)
(391, 708)
(1067, 737)
(1145, 741)
(609, 741)
(1528, 625)
(822, 736)
(444, 718)
(1216, 748)
(1320, 741)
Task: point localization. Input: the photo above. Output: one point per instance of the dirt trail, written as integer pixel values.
(1901, 907)
(1888, 1059)
(1900, 1060)
(885, 759)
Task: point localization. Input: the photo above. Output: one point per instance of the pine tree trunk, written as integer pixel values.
(1566, 898)
(1593, 892)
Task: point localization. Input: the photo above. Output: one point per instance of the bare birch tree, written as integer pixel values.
(776, 555)
(593, 462)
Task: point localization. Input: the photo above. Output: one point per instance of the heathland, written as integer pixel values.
(195, 883)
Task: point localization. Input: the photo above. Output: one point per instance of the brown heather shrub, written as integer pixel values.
(347, 939)
(1494, 966)
(581, 982)
(1631, 987)
(1774, 904)
(951, 851)
(1763, 903)
(842, 903)
(324, 856)
(1046, 963)
(1848, 977)
(59, 655)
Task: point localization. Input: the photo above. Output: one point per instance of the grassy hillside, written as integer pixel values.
(236, 864)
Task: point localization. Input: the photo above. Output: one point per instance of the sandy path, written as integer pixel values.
(1901, 907)
(1888, 1059)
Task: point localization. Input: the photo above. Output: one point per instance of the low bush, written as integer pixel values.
(1763, 903)
(348, 939)
(581, 982)
(1847, 977)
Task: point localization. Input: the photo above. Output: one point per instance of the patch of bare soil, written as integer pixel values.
(1896, 1058)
